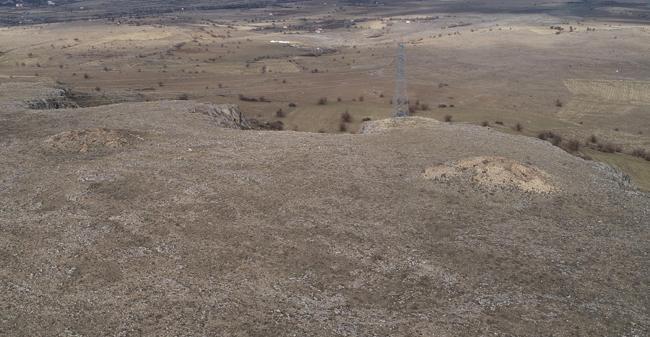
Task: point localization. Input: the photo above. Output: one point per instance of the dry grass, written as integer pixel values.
(88, 140)
(571, 146)
(641, 153)
(608, 147)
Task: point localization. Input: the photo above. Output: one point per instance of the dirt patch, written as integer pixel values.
(494, 173)
(91, 140)
(396, 123)
(611, 90)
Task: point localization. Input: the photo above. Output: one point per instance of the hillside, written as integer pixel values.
(165, 218)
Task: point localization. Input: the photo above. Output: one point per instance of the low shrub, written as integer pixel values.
(247, 99)
(277, 125)
(609, 147)
(555, 139)
(641, 153)
(346, 117)
(571, 146)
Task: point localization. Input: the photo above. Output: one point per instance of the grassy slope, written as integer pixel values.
(637, 168)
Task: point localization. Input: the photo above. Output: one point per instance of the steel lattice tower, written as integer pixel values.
(400, 101)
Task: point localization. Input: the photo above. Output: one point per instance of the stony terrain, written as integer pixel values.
(578, 69)
(142, 193)
(166, 219)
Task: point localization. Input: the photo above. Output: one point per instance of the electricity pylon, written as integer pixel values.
(400, 101)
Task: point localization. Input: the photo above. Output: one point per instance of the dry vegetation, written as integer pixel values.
(271, 59)
(133, 203)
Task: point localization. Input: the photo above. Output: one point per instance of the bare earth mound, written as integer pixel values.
(493, 173)
(83, 141)
(383, 125)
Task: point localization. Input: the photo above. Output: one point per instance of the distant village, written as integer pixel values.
(26, 3)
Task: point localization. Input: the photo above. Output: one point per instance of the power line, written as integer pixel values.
(400, 100)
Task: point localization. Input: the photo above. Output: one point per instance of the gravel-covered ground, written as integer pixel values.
(149, 219)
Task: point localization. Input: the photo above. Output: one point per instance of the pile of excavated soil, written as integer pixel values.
(87, 140)
(494, 173)
(396, 123)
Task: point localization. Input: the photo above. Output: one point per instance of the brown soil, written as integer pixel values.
(205, 231)
(494, 172)
(396, 123)
(94, 139)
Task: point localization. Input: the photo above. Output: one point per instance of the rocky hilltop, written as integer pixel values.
(175, 219)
